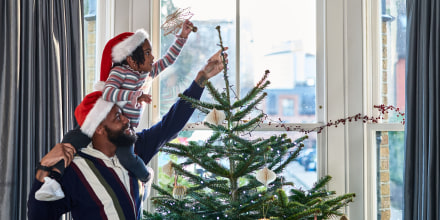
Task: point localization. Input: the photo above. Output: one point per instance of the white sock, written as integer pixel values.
(147, 185)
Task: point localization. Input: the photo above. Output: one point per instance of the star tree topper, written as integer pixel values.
(174, 21)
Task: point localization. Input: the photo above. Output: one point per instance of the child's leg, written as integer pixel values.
(133, 163)
(51, 190)
(78, 140)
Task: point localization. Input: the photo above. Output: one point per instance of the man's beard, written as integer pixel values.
(120, 138)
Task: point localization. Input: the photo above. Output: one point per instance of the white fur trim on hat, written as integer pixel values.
(121, 50)
(96, 115)
(99, 86)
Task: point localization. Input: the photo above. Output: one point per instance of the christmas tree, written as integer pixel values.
(244, 180)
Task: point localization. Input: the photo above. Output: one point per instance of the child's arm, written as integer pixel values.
(113, 91)
(174, 51)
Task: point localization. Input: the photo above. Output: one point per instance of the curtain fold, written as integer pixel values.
(9, 62)
(41, 84)
(422, 127)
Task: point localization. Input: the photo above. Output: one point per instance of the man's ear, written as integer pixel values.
(100, 130)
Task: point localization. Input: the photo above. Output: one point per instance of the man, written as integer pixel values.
(95, 185)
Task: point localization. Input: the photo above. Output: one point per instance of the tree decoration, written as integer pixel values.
(215, 117)
(266, 176)
(383, 109)
(168, 168)
(173, 22)
(179, 191)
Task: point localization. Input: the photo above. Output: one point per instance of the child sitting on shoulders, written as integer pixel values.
(127, 65)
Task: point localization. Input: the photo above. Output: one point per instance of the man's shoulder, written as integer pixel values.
(77, 160)
(82, 158)
(80, 166)
(84, 155)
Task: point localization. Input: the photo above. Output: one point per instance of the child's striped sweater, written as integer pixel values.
(125, 84)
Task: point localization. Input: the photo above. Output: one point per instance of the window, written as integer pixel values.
(89, 44)
(387, 137)
(280, 37)
(336, 70)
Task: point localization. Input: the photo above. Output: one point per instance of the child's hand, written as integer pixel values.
(144, 98)
(187, 28)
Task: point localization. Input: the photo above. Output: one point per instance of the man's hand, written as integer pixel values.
(59, 151)
(212, 68)
(144, 98)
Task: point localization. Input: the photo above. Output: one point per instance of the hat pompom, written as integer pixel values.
(99, 86)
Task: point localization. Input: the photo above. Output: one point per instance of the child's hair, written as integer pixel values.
(137, 56)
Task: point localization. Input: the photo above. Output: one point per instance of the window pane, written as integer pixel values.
(390, 169)
(393, 53)
(199, 47)
(280, 37)
(288, 106)
(89, 43)
(302, 171)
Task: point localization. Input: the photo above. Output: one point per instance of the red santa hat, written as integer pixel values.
(92, 111)
(116, 50)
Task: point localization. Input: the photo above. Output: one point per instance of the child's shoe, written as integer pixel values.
(49, 191)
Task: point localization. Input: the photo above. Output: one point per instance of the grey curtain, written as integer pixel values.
(422, 131)
(41, 60)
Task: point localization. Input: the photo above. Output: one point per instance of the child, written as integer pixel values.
(129, 67)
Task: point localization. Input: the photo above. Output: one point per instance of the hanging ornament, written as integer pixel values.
(179, 192)
(168, 168)
(215, 117)
(266, 176)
